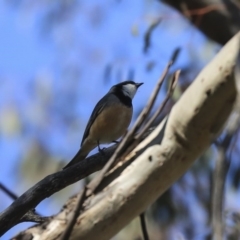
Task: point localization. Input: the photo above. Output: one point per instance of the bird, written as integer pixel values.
(109, 119)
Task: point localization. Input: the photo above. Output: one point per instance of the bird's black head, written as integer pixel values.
(126, 88)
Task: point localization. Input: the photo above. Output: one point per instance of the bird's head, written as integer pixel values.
(127, 88)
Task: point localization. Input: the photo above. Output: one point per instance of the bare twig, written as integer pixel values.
(143, 226)
(8, 192)
(147, 125)
(159, 110)
(220, 174)
(73, 220)
(175, 55)
(140, 135)
(33, 216)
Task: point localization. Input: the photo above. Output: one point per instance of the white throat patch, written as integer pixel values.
(129, 90)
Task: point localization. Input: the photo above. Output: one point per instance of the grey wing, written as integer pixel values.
(96, 111)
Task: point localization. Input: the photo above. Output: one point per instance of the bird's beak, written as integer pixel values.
(139, 84)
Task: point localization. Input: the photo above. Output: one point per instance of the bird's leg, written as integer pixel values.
(101, 150)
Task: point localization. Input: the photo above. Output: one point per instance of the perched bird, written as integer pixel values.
(109, 120)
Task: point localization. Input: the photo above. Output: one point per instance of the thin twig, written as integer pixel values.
(159, 110)
(145, 112)
(33, 216)
(219, 178)
(143, 226)
(175, 55)
(140, 135)
(72, 221)
(8, 192)
(147, 125)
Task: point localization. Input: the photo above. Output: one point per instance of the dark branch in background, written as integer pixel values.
(175, 55)
(8, 192)
(219, 178)
(31, 216)
(143, 226)
(204, 14)
(148, 34)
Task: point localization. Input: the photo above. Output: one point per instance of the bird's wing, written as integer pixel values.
(96, 111)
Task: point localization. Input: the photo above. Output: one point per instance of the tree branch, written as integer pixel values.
(143, 226)
(204, 14)
(31, 215)
(50, 185)
(219, 178)
(8, 192)
(195, 120)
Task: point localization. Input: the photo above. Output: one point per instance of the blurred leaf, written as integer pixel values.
(10, 123)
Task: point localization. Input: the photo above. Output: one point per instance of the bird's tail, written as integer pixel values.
(81, 155)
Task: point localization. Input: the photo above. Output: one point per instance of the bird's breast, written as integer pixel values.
(111, 123)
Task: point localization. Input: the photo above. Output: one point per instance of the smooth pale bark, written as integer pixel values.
(192, 125)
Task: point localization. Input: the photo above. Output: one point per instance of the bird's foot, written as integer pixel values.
(101, 150)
